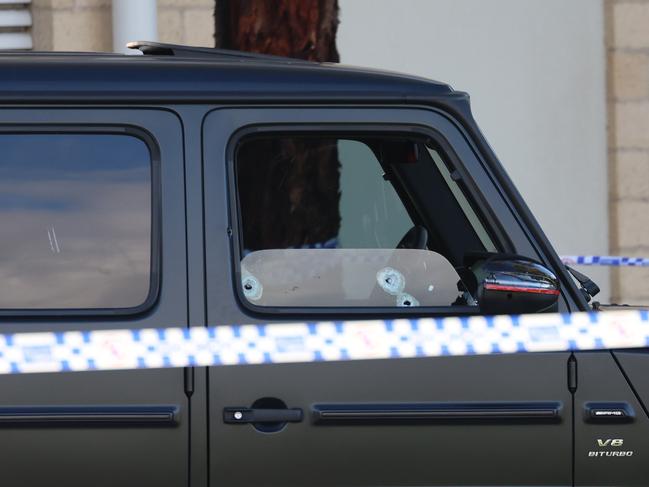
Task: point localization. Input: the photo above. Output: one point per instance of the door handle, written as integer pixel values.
(249, 415)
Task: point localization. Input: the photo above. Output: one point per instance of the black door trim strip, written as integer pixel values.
(88, 416)
(391, 413)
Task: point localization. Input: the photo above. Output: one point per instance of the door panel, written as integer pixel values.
(494, 420)
(95, 445)
(444, 451)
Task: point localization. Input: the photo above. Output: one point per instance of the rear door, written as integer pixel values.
(92, 218)
(356, 181)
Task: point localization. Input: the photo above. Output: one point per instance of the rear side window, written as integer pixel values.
(76, 220)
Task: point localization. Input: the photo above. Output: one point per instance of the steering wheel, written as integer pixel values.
(415, 238)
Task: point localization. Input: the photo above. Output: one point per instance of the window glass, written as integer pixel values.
(75, 213)
(463, 202)
(371, 213)
(358, 221)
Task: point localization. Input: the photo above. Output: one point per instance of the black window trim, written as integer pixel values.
(483, 210)
(155, 271)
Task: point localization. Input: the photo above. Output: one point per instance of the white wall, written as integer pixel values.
(535, 70)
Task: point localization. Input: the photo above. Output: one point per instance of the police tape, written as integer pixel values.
(605, 260)
(323, 341)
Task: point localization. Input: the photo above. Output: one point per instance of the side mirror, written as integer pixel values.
(514, 285)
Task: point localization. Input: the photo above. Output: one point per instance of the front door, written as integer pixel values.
(338, 213)
(92, 218)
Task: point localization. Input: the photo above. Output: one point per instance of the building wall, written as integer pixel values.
(72, 25)
(86, 25)
(189, 22)
(536, 74)
(627, 42)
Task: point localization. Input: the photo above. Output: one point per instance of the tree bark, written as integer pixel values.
(288, 187)
(303, 29)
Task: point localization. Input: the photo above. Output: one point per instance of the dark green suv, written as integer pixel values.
(198, 187)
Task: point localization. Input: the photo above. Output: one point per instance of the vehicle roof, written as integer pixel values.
(198, 74)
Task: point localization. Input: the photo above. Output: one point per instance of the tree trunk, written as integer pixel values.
(303, 29)
(304, 211)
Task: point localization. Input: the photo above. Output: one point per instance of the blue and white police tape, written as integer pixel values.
(323, 341)
(605, 260)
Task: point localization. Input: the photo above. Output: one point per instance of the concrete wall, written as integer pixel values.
(535, 70)
(628, 102)
(189, 22)
(72, 25)
(86, 25)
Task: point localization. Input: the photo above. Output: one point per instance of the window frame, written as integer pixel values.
(478, 202)
(155, 244)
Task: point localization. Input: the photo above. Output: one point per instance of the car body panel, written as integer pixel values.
(599, 462)
(107, 451)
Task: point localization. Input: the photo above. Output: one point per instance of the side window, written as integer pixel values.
(76, 219)
(371, 213)
(351, 221)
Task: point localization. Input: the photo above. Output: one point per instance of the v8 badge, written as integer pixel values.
(608, 447)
